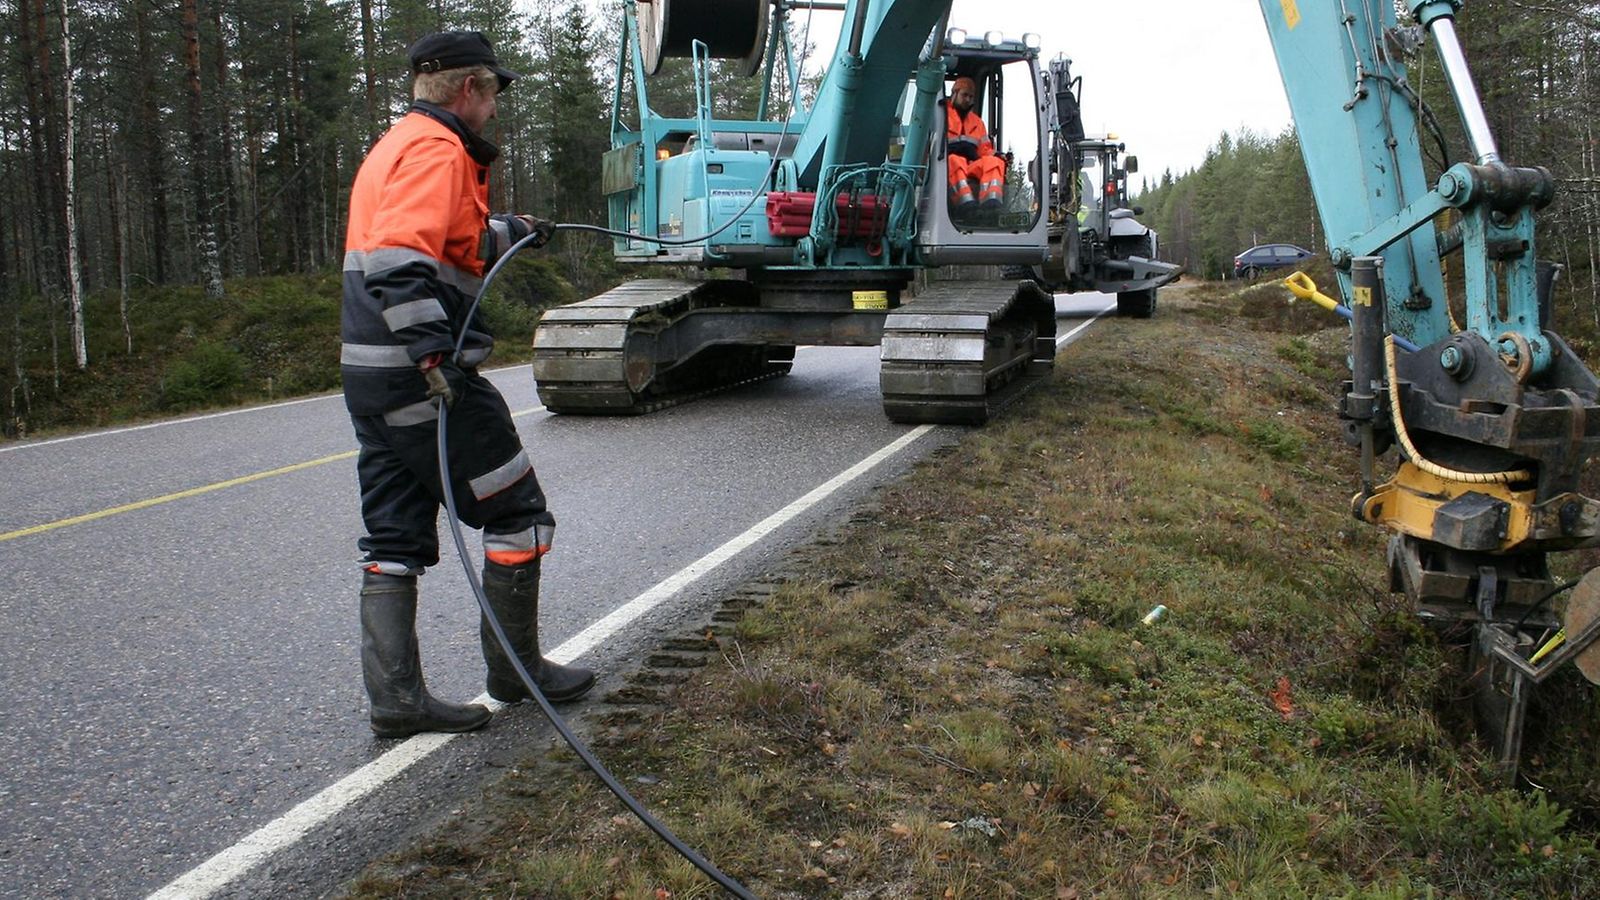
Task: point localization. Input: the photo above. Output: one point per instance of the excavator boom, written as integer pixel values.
(1493, 415)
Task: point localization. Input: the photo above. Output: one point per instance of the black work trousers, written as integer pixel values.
(491, 478)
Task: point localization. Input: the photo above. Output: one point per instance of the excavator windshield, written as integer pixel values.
(1007, 155)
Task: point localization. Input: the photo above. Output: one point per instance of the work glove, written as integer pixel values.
(432, 370)
(542, 229)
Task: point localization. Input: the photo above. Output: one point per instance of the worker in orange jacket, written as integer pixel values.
(419, 237)
(969, 154)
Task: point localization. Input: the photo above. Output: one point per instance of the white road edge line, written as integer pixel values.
(162, 424)
(1074, 332)
(228, 865)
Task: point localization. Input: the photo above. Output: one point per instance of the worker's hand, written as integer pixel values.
(432, 369)
(542, 229)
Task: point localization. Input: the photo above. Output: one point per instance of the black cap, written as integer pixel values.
(454, 50)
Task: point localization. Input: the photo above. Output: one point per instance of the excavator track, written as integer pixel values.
(605, 355)
(962, 350)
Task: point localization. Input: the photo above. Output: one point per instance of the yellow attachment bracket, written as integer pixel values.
(1479, 517)
(1301, 285)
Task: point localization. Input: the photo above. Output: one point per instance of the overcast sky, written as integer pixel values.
(1166, 76)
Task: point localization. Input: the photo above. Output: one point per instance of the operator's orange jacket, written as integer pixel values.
(966, 130)
(968, 151)
(420, 234)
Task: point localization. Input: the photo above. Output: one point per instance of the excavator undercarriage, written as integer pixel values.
(954, 354)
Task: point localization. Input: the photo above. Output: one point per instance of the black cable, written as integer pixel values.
(727, 883)
(560, 725)
(1546, 597)
(1425, 116)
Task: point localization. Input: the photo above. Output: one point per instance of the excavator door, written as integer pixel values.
(969, 224)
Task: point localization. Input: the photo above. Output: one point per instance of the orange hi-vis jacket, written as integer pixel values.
(966, 131)
(969, 154)
(415, 250)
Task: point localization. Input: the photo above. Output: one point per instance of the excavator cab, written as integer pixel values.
(1004, 227)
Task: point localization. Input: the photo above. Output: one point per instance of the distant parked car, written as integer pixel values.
(1262, 257)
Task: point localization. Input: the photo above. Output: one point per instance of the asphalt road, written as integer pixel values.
(180, 648)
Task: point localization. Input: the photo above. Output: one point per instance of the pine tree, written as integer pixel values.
(578, 133)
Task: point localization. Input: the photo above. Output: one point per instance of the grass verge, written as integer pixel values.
(956, 695)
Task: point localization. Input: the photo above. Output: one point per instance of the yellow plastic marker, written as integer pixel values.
(870, 299)
(1559, 639)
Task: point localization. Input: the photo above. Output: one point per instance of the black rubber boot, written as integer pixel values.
(392, 665)
(513, 593)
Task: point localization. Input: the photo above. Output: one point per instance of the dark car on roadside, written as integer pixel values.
(1262, 257)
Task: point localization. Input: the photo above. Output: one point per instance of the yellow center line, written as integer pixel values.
(195, 492)
(168, 498)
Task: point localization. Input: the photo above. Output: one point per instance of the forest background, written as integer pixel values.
(173, 179)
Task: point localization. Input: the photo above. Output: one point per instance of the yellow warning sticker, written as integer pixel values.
(1291, 13)
(1363, 296)
(870, 299)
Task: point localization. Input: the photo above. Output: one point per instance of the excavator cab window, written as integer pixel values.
(1000, 172)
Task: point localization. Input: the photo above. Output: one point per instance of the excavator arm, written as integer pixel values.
(1493, 416)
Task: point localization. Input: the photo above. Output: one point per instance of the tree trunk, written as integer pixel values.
(42, 152)
(369, 69)
(10, 298)
(119, 232)
(222, 146)
(303, 250)
(45, 145)
(252, 175)
(148, 140)
(204, 220)
(80, 347)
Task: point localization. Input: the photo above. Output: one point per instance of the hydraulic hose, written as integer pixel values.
(1404, 436)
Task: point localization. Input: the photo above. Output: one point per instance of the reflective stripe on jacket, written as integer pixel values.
(412, 265)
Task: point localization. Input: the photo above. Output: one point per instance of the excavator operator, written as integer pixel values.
(969, 154)
(419, 238)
